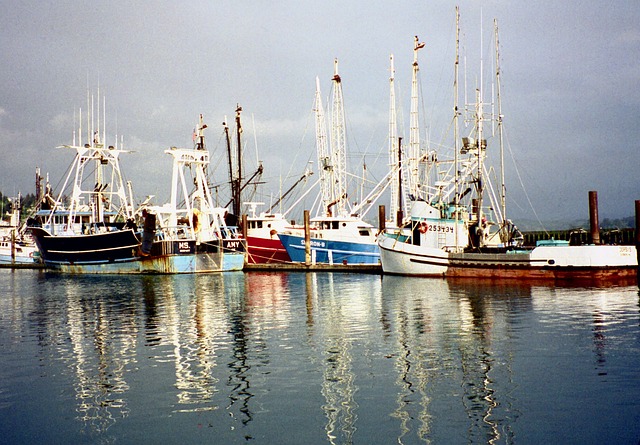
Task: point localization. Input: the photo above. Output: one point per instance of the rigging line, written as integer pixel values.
(513, 160)
(490, 189)
(312, 153)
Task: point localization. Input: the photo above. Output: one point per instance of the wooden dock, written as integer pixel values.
(271, 267)
(21, 266)
(302, 267)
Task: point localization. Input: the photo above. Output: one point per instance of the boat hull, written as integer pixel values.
(22, 253)
(263, 250)
(119, 253)
(327, 251)
(561, 263)
(30, 258)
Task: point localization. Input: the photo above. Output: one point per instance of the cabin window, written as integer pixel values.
(335, 225)
(364, 232)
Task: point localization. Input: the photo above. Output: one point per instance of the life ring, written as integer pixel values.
(195, 220)
(424, 227)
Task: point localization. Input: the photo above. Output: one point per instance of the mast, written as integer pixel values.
(503, 191)
(232, 181)
(479, 111)
(414, 126)
(479, 146)
(394, 155)
(400, 211)
(238, 190)
(325, 163)
(456, 131)
(338, 144)
(190, 193)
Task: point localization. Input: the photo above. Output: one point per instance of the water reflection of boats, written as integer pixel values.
(445, 339)
(328, 357)
(97, 349)
(186, 324)
(335, 346)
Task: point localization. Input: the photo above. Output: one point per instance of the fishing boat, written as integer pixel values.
(16, 244)
(18, 252)
(458, 225)
(99, 232)
(338, 235)
(261, 233)
(343, 240)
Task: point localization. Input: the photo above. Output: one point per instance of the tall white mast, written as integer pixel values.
(89, 129)
(325, 163)
(503, 191)
(338, 143)
(394, 157)
(456, 130)
(479, 117)
(414, 129)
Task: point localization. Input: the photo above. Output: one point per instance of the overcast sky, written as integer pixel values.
(570, 86)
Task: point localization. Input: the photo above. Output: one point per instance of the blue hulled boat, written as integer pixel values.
(334, 240)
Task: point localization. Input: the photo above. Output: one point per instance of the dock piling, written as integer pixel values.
(594, 224)
(382, 218)
(638, 238)
(307, 239)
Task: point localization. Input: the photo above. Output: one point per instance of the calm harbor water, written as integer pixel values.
(297, 358)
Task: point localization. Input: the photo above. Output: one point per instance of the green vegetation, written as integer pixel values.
(28, 205)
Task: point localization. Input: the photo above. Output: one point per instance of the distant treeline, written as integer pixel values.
(623, 223)
(526, 225)
(28, 203)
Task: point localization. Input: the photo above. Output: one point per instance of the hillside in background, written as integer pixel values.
(605, 223)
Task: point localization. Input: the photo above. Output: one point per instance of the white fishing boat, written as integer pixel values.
(458, 225)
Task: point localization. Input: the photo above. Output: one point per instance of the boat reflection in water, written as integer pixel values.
(312, 358)
(95, 341)
(332, 343)
(444, 334)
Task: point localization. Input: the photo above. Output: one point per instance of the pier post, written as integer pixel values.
(637, 240)
(307, 239)
(382, 217)
(594, 224)
(243, 228)
(13, 245)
